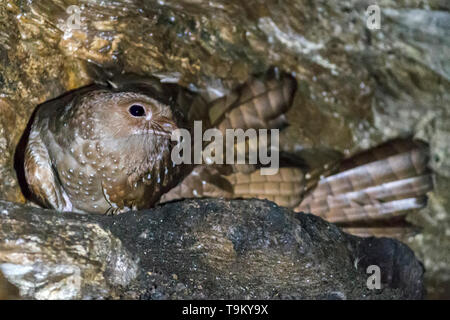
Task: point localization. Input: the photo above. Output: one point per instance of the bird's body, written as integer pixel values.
(89, 153)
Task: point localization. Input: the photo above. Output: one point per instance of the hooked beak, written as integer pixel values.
(163, 126)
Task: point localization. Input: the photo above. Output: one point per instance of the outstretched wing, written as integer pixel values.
(260, 103)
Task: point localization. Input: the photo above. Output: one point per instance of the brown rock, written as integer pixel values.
(7, 290)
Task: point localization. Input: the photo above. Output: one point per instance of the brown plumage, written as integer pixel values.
(102, 150)
(107, 148)
(377, 184)
(368, 194)
(258, 103)
(86, 153)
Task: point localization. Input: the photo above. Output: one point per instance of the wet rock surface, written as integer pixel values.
(200, 249)
(357, 87)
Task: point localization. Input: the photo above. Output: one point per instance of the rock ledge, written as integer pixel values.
(198, 249)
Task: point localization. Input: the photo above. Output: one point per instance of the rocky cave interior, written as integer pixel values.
(357, 88)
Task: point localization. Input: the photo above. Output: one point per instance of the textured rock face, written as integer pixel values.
(7, 290)
(357, 87)
(52, 257)
(201, 249)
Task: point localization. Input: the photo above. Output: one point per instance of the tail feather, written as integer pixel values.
(383, 151)
(395, 190)
(384, 183)
(401, 166)
(373, 212)
(388, 232)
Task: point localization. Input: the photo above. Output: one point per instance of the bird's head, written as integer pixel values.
(125, 115)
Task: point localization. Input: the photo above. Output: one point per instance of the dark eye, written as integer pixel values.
(137, 110)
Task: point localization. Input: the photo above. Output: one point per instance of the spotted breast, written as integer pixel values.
(101, 149)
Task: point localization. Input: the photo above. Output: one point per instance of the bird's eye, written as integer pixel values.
(137, 110)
